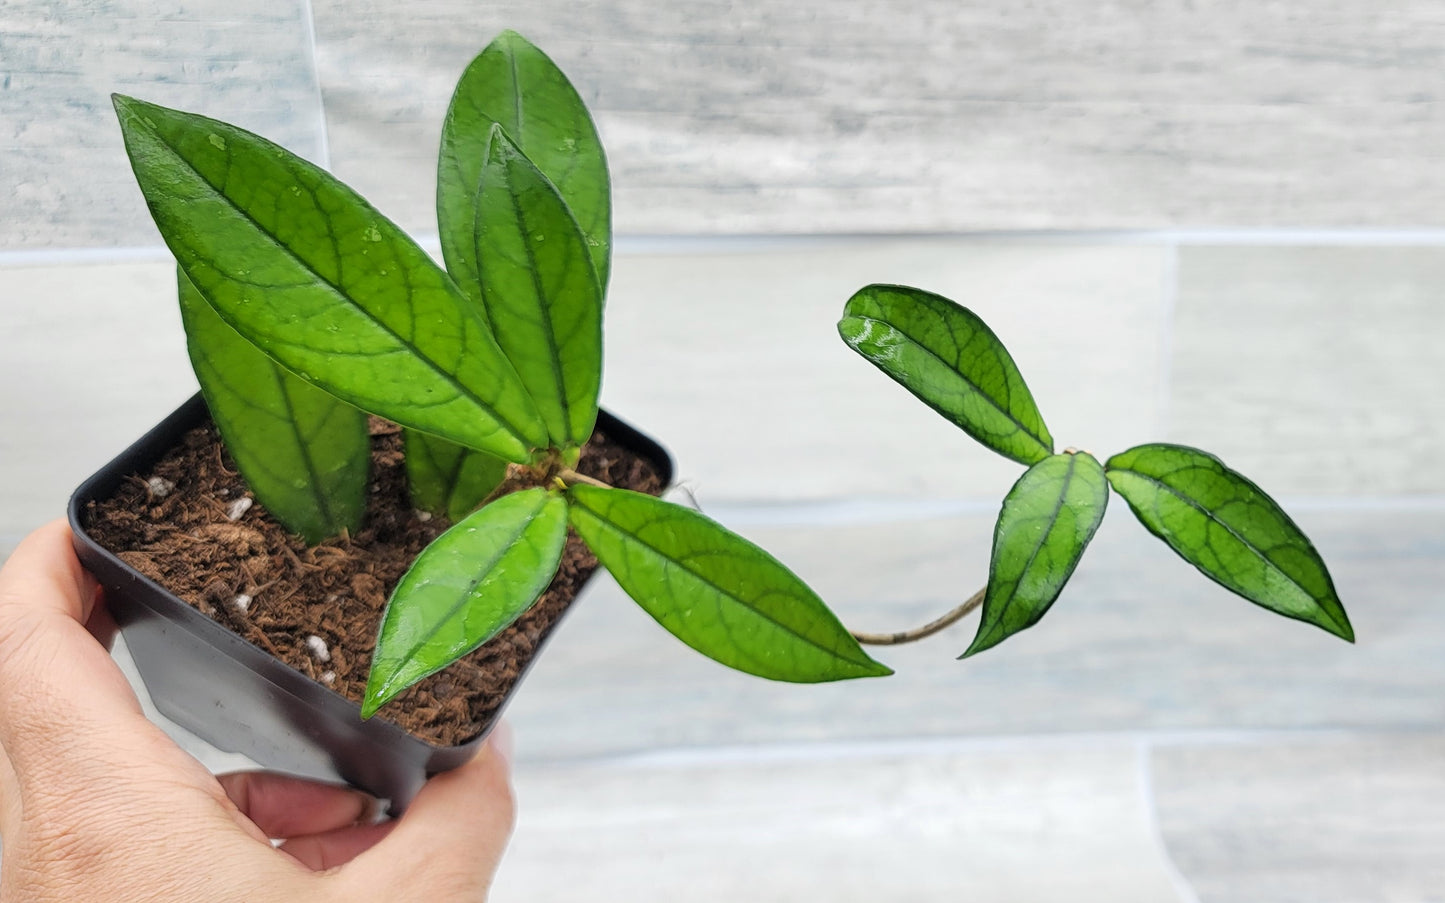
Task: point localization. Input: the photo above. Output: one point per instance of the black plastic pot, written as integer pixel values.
(238, 697)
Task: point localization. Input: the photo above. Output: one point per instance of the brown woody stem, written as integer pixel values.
(929, 629)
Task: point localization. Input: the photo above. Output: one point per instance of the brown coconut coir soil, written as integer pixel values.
(187, 526)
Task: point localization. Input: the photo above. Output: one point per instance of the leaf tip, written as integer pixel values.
(1341, 627)
(973, 649)
(509, 37)
(125, 105)
(985, 639)
(378, 693)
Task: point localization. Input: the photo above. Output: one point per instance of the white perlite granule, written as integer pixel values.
(317, 647)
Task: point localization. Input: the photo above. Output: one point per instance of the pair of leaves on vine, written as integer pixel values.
(714, 590)
(1213, 517)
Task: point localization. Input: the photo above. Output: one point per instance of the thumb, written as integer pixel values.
(57, 683)
(450, 841)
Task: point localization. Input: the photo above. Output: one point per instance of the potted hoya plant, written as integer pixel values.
(342, 556)
(337, 362)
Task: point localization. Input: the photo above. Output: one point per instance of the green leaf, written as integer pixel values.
(946, 356)
(540, 291)
(1047, 520)
(465, 588)
(1224, 525)
(305, 454)
(714, 590)
(446, 478)
(307, 271)
(514, 84)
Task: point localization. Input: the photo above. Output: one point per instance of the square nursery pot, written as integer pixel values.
(238, 697)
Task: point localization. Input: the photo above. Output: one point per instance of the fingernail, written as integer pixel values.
(370, 809)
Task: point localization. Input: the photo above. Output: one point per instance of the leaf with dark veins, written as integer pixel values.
(714, 590)
(445, 478)
(1047, 520)
(1228, 528)
(949, 358)
(515, 85)
(304, 454)
(540, 292)
(465, 588)
(307, 271)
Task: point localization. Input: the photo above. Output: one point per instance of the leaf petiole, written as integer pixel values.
(937, 624)
(568, 476)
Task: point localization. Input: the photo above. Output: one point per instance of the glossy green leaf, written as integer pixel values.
(1224, 525)
(305, 454)
(514, 84)
(540, 292)
(1047, 520)
(311, 274)
(465, 588)
(446, 478)
(949, 358)
(714, 590)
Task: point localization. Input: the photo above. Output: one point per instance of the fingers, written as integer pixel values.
(320, 852)
(474, 801)
(44, 576)
(283, 806)
(452, 836)
(57, 683)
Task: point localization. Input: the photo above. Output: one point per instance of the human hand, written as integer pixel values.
(97, 804)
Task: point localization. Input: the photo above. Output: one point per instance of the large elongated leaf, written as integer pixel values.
(514, 84)
(305, 454)
(540, 291)
(1228, 528)
(944, 354)
(1047, 520)
(307, 271)
(465, 587)
(446, 478)
(714, 590)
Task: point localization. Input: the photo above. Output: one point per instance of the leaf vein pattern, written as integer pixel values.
(721, 591)
(335, 289)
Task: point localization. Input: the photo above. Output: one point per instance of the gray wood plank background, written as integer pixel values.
(64, 178)
(923, 115)
(756, 117)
